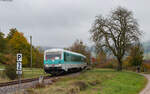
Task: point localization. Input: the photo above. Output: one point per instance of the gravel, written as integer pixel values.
(14, 88)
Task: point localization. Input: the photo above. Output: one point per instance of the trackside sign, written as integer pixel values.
(19, 57)
(19, 63)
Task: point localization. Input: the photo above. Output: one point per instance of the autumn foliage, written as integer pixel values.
(14, 43)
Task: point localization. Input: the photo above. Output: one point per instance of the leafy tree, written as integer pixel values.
(11, 33)
(9, 59)
(38, 58)
(2, 48)
(2, 58)
(14, 43)
(17, 42)
(10, 71)
(116, 33)
(136, 55)
(2, 43)
(79, 47)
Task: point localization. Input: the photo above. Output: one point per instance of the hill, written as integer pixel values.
(146, 46)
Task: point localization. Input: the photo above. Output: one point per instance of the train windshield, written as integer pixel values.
(53, 55)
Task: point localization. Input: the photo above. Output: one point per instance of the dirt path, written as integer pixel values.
(146, 90)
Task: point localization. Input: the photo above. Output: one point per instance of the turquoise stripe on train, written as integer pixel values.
(53, 62)
(60, 62)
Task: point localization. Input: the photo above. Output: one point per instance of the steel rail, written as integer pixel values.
(22, 81)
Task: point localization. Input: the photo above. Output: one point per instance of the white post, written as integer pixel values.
(31, 50)
(19, 68)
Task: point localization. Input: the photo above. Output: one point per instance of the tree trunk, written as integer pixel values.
(119, 65)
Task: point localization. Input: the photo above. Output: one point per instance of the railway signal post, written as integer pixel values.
(19, 68)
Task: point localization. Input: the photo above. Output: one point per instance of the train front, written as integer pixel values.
(53, 61)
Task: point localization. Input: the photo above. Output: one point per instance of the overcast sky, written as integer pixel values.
(58, 23)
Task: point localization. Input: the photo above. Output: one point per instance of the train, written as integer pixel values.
(57, 61)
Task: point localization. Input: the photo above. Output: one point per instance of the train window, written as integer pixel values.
(76, 58)
(53, 55)
(82, 59)
(70, 57)
(67, 57)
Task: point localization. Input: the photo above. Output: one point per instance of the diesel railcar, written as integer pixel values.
(59, 60)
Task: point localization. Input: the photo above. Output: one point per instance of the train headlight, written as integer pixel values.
(58, 65)
(46, 65)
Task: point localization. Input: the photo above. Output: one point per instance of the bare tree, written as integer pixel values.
(116, 32)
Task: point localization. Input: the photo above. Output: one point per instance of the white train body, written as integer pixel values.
(60, 60)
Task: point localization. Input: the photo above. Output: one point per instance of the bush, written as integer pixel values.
(105, 65)
(73, 90)
(80, 84)
(94, 83)
(146, 67)
(2, 59)
(109, 63)
(10, 59)
(10, 71)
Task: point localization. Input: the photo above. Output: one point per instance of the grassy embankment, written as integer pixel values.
(35, 72)
(97, 81)
(27, 73)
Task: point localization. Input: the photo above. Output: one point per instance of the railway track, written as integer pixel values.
(22, 81)
(53, 79)
(12, 86)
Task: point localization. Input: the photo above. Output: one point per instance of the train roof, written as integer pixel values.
(62, 50)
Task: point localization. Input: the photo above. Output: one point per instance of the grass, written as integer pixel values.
(2, 66)
(3, 78)
(35, 72)
(27, 73)
(97, 81)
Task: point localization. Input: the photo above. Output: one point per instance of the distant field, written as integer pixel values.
(147, 56)
(97, 81)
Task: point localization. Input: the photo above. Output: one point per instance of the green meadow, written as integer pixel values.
(96, 81)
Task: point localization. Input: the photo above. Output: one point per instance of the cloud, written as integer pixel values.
(61, 22)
